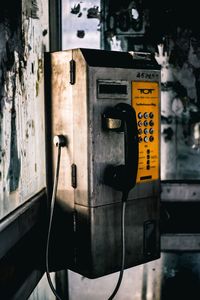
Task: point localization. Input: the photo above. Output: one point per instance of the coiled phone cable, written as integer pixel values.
(60, 142)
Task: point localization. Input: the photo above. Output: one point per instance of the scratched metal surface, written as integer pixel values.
(23, 38)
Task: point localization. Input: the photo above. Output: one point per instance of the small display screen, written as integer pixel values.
(112, 88)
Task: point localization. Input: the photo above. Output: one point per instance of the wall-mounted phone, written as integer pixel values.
(107, 104)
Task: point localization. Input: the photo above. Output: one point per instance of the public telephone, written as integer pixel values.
(107, 105)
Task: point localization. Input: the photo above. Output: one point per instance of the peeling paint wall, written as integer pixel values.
(180, 109)
(23, 39)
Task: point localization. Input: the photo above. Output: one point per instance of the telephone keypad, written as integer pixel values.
(140, 115)
(140, 123)
(146, 130)
(151, 115)
(146, 106)
(151, 130)
(139, 131)
(151, 138)
(151, 123)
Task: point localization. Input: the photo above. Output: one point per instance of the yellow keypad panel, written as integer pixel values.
(146, 102)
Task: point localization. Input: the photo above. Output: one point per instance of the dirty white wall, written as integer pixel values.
(23, 39)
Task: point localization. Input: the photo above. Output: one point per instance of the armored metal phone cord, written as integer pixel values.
(124, 199)
(59, 141)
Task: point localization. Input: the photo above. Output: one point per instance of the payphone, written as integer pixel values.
(107, 105)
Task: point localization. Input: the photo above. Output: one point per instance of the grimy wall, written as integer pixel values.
(23, 39)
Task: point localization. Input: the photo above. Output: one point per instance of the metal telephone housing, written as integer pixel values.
(85, 90)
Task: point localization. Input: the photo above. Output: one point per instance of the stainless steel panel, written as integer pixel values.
(98, 236)
(93, 208)
(77, 114)
(107, 147)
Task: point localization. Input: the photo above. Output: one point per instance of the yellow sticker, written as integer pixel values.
(146, 101)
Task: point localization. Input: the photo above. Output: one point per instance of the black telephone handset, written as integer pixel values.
(122, 118)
